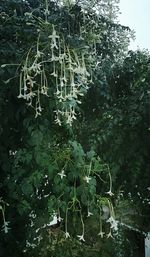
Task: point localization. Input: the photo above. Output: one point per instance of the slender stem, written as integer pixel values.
(110, 179)
(3, 214)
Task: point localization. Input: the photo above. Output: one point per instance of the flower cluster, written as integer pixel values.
(69, 73)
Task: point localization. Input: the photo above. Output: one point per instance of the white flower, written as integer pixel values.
(101, 234)
(109, 193)
(35, 67)
(29, 96)
(64, 78)
(54, 220)
(54, 58)
(110, 220)
(20, 96)
(59, 219)
(54, 35)
(58, 121)
(37, 230)
(62, 174)
(113, 223)
(28, 14)
(89, 214)
(81, 238)
(54, 45)
(32, 215)
(87, 179)
(109, 235)
(38, 54)
(6, 226)
(67, 235)
(81, 70)
(54, 74)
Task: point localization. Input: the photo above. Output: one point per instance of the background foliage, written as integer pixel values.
(112, 122)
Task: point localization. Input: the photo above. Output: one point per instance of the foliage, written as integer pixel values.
(118, 125)
(72, 64)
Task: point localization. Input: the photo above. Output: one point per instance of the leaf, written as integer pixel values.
(78, 152)
(36, 137)
(27, 189)
(51, 169)
(90, 154)
(84, 199)
(24, 207)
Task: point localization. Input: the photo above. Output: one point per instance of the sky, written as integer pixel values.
(136, 15)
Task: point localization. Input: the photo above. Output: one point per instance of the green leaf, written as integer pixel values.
(24, 207)
(27, 189)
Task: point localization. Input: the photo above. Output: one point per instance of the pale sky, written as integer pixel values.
(136, 15)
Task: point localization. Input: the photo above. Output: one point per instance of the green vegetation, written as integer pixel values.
(74, 131)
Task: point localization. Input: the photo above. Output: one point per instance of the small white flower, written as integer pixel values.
(58, 121)
(89, 214)
(53, 221)
(20, 96)
(29, 96)
(59, 219)
(54, 74)
(110, 220)
(6, 227)
(54, 58)
(53, 37)
(38, 54)
(37, 230)
(109, 235)
(113, 223)
(109, 193)
(64, 78)
(87, 179)
(28, 14)
(54, 45)
(67, 235)
(81, 238)
(62, 174)
(101, 234)
(54, 34)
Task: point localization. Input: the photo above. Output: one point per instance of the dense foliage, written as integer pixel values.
(119, 125)
(74, 111)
